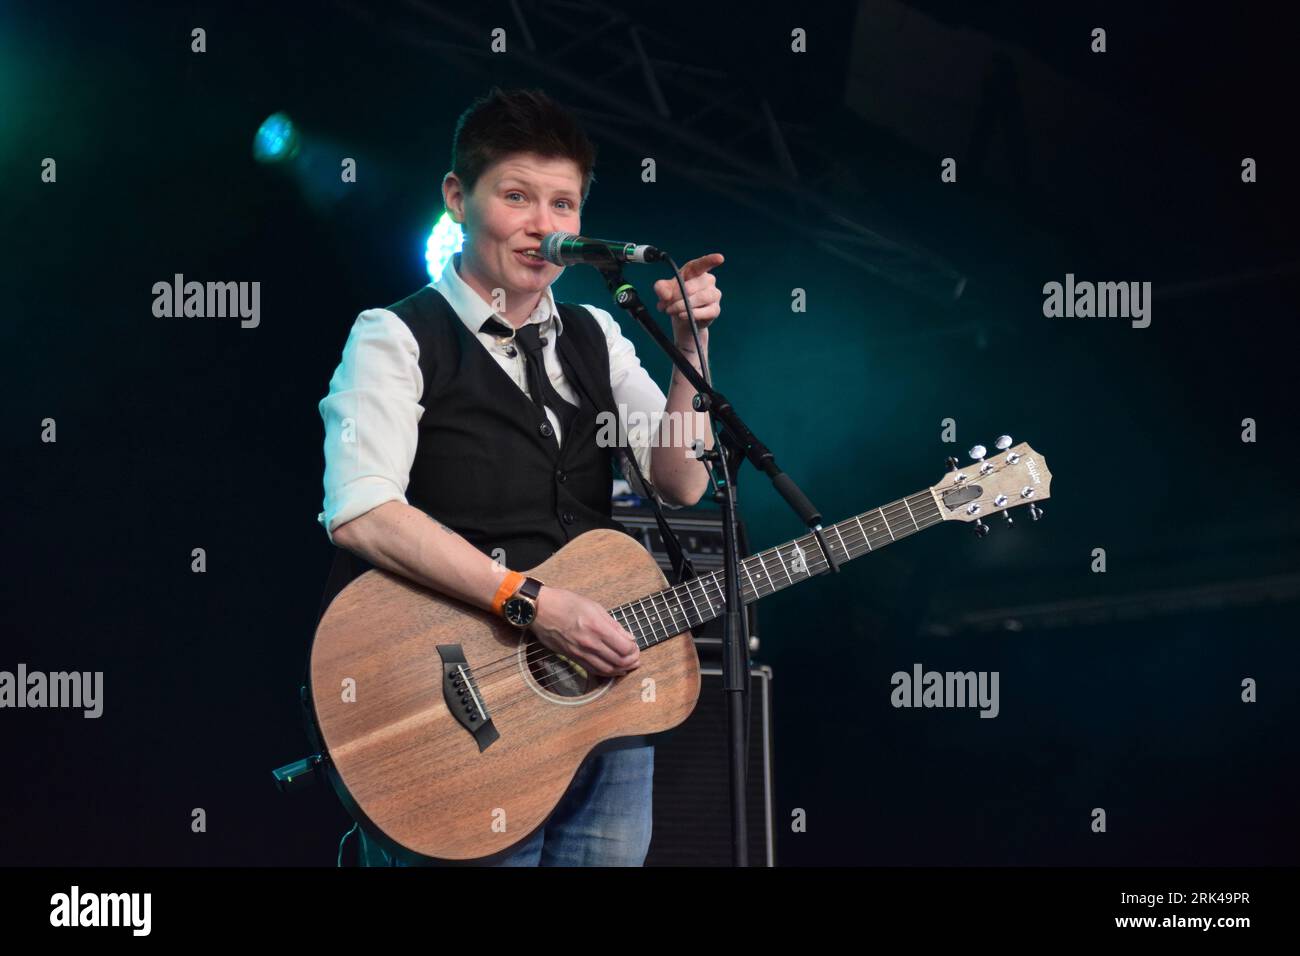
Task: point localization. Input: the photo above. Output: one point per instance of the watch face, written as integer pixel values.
(519, 611)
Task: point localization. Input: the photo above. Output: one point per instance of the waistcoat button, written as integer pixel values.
(568, 517)
(560, 476)
(546, 429)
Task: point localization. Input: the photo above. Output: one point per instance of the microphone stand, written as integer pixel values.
(738, 443)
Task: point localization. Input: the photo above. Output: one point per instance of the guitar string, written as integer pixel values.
(852, 545)
(856, 536)
(487, 669)
(490, 684)
(504, 703)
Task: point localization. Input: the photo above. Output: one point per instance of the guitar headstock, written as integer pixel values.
(1010, 477)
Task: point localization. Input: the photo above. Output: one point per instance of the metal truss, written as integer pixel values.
(640, 87)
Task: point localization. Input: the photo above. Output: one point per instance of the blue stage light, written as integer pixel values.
(276, 140)
(445, 241)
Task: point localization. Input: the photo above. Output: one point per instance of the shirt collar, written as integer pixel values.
(474, 311)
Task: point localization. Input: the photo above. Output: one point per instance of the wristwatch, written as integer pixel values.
(520, 609)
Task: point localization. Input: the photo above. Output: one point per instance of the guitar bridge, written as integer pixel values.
(461, 693)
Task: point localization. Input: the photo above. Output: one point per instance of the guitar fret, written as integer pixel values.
(653, 615)
(690, 595)
(649, 631)
(669, 627)
(680, 608)
(717, 608)
(783, 566)
(647, 627)
(836, 529)
(659, 615)
(632, 626)
(704, 593)
(685, 614)
(656, 617)
(814, 547)
(886, 521)
(799, 555)
(752, 586)
(865, 536)
(910, 515)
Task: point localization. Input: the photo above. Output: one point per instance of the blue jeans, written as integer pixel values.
(603, 819)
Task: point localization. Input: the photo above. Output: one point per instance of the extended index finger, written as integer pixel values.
(703, 264)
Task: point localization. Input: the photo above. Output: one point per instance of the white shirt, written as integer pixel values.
(372, 412)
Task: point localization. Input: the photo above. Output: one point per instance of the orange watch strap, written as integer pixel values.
(508, 587)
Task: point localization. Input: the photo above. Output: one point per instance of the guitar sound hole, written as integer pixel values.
(558, 674)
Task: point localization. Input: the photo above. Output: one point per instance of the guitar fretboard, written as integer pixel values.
(672, 611)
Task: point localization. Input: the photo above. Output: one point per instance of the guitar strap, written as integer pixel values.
(683, 569)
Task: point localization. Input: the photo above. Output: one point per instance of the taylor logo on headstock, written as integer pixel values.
(1011, 477)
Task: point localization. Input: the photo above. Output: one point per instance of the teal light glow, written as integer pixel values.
(444, 242)
(276, 140)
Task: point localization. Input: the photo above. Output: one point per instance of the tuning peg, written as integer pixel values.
(1035, 512)
(977, 453)
(952, 463)
(1003, 442)
(981, 529)
(1007, 515)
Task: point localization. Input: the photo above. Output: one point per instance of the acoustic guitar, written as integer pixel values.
(452, 735)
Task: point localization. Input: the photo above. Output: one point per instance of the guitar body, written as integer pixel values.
(409, 749)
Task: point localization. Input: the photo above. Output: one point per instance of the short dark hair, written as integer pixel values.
(505, 122)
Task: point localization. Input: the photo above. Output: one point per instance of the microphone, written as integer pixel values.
(566, 249)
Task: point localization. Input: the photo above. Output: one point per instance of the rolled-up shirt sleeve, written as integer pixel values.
(634, 392)
(371, 417)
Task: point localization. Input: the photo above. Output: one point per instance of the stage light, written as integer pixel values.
(276, 140)
(444, 241)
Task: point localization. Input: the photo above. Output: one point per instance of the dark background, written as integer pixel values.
(1118, 690)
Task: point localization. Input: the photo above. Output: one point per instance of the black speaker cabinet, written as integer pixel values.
(692, 794)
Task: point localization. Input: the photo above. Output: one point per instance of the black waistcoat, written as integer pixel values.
(486, 462)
